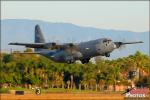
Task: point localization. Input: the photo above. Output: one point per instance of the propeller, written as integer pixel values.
(57, 45)
(120, 44)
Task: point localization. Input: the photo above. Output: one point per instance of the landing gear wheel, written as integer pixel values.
(70, 61)
(85, 61)
(107, 54)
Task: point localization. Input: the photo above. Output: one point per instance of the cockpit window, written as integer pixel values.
(109, 40)
(106, 40)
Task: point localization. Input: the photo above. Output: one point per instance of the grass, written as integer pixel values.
(4, 90)
(18, 88)
(62, 90)
(55, 90)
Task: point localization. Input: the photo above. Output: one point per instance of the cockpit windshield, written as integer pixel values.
(106, 40)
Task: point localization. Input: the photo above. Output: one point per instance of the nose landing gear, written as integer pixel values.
(107, 54)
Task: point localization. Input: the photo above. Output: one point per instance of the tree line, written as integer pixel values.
(27, 69)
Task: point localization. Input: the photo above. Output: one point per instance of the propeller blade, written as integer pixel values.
(132, 42)
(119, 44)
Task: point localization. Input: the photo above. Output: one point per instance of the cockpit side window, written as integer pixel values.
(105, 40)
(109, 41)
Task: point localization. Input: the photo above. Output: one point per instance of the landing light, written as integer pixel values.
(87, 48)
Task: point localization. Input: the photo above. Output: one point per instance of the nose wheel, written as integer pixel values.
(107, 54)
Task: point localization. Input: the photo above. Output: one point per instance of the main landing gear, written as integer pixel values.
(85, 60)
(70, 61)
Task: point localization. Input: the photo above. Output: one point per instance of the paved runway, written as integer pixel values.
(63, 96)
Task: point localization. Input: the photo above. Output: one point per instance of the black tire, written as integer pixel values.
(68, 62)
(85, 61)
(72, 61)
(107, 54)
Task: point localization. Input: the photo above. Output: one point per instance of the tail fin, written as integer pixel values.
(38, 35)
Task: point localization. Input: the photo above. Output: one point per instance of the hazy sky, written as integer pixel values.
(122, 15)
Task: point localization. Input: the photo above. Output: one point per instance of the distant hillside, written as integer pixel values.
(22, 30)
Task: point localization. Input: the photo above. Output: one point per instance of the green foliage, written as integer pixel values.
(7, 58)
(37, 70)
(143, 82)
(4, 90)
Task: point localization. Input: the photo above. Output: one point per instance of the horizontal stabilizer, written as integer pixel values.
(26, 52)
(31, 45)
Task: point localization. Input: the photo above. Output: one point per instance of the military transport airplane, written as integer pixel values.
(70, 52)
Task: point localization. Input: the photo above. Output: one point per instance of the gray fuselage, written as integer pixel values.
(83, 50)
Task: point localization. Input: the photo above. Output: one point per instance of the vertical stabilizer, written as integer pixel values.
(38, 35)
(39, 38)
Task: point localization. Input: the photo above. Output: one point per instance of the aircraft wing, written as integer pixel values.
(51, 45)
